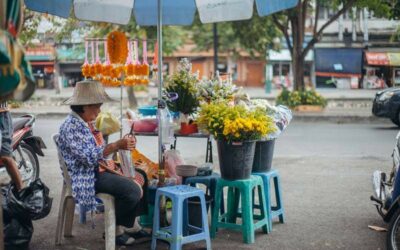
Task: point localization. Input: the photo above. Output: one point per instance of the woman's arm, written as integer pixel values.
(127, 143)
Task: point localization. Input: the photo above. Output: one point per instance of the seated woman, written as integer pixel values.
(89, 161)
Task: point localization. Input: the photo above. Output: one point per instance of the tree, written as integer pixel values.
(292, 25)
(232, 37)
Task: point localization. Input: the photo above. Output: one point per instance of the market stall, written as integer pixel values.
(382, 69)
(248, 121)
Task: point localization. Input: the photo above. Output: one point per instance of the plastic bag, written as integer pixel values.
(282, 116)
(17, 234)
(167, 125)
(172, 159)
(107, 124)
(31, 203)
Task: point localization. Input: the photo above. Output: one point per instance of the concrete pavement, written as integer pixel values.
(326, 180)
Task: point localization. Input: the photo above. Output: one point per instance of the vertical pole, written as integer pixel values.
(215, 33)
(366, 32)
(120, 103)
(340, 33)
(160, 87)
(353, 24)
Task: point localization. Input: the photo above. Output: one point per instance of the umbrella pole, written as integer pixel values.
(161, 105)
(161, 171)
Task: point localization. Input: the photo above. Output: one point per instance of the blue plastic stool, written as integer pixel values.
(273, 211)
(82, 211)
(174, 233)
(210, 182)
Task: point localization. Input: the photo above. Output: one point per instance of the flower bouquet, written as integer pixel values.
(217, 90)
(183, 82)
(236, 129)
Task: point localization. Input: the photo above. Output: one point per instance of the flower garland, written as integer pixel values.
(117, 46)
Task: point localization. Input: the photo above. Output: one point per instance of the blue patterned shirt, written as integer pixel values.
(81, 155)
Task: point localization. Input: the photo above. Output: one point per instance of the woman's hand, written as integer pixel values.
(127, 143)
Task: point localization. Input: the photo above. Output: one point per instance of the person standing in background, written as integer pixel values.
(6, 158)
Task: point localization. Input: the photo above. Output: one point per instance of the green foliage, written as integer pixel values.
(256, 35)
(174, 36)
(296, 98)
(31, 23)
(183, 82)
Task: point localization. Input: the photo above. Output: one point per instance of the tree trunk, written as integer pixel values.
(296, 22)
(298, 74)
(131, 98)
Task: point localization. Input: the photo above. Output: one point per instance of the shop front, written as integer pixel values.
(279, 69)
(42, 59)
(338, 67)
(382, 69)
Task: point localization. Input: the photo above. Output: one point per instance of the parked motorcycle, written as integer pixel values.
(387, 197)
(26, 148)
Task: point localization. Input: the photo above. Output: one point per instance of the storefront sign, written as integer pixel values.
(377, 58)
(383, 58)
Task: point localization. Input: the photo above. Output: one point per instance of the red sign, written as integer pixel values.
(377, 58)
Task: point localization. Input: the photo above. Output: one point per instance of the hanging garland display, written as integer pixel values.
(121, 61)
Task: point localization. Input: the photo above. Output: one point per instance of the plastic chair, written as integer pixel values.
(67, 206)
(273, 211)
(174, 234)
(240, 189)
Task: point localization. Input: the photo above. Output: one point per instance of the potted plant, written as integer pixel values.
(303, 101)
(183, 82)
(236, 130)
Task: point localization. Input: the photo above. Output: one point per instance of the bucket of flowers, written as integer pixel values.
(236, 129)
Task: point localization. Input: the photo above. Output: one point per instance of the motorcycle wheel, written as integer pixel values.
(30, 172)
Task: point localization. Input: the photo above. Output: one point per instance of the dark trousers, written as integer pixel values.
(126, 194)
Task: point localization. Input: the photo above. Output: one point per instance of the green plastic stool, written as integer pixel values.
(146, 220)
(237, 189)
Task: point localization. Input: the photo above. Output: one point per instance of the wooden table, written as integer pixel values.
(209, 157)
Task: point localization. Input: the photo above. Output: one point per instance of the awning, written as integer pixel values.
(338, 62)
(40, 53)
(383, 58)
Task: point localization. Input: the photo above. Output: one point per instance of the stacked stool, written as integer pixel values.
(278, 210)
(174, 234)
(210, 181)
(244, 189)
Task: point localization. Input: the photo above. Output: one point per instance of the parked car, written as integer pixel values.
(387, 104)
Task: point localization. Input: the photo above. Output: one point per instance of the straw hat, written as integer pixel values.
(88, 92)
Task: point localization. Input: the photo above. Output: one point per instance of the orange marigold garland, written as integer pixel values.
(117, 45)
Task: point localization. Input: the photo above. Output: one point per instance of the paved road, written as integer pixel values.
(325, 171)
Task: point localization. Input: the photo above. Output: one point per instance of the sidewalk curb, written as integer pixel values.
(306, 117)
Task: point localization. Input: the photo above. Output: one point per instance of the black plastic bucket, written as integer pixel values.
(236, 159)
(263, 156)
(195, 215)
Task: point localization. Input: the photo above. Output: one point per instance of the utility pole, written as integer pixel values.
(215, 32)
